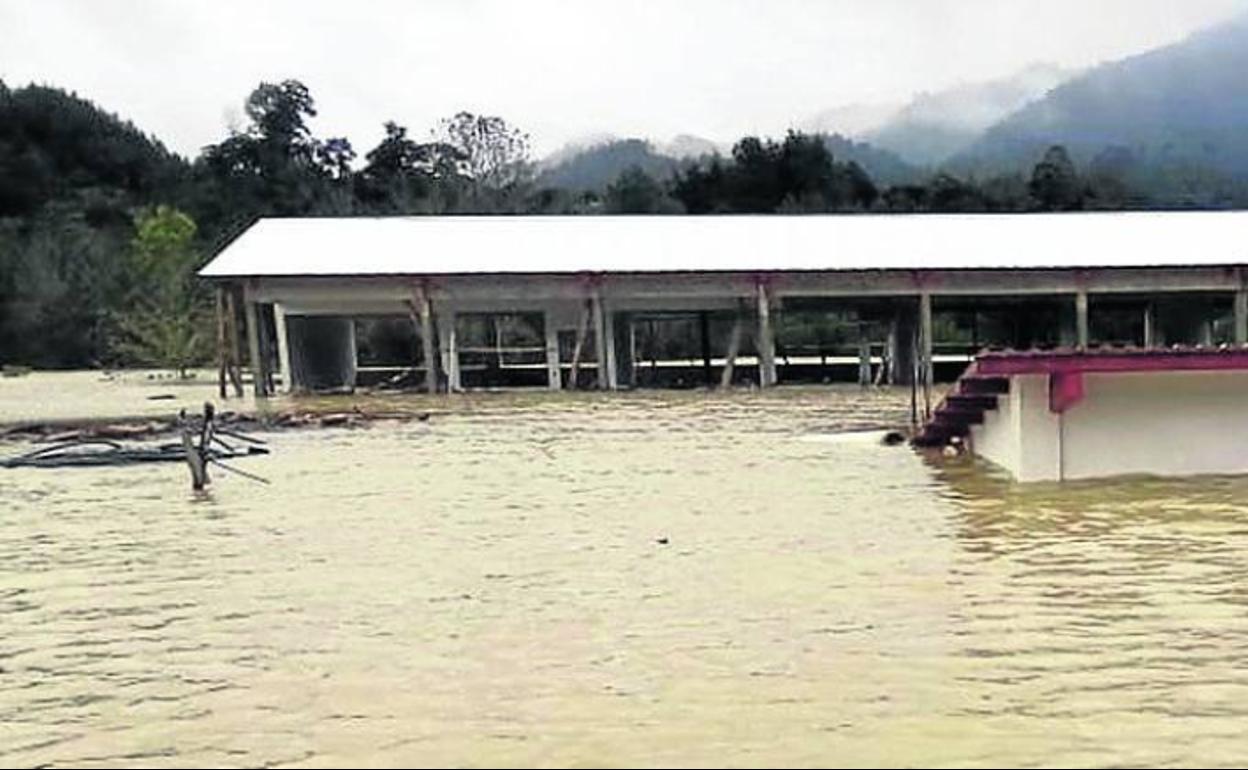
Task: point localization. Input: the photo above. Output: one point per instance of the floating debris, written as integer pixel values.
(75, 450)
(99, 452)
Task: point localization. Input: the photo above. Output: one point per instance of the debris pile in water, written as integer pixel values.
(144, 428)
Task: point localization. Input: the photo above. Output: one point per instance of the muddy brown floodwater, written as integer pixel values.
(644, 579)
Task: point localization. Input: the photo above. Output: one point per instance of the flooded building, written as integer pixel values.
(620, 302)
(1063, 415)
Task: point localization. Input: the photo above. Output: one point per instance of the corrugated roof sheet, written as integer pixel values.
(632, 244)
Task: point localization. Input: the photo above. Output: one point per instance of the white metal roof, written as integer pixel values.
(656, 244)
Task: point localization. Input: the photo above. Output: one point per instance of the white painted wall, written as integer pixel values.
(997, 440)
(1164, 423)
(1160, 423)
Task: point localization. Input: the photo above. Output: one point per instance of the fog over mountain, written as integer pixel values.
(935, 126)
(1181, 105)
(852, 120)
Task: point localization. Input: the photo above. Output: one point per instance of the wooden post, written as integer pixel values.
(582, 330)
(266, 353)
(927, 366)
(1081, 319)
(765, 341)
(1241, 316)
(283, 348)
(234, 366)
(420, 310)
(734, 347)
(253, 349)
(554, 377)
(221, 351)
(197, 457)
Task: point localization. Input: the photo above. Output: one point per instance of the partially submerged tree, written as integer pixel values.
(166, 321)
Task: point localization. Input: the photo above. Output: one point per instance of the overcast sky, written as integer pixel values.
(560, 69)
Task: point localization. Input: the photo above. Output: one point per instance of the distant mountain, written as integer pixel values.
(688, 146)
(1179, 112)
(574, 147)
(936, 126)
(884, 167)
(55, 145)
(596, 167)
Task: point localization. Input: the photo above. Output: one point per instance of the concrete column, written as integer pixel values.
(428, 348)
(1151, 337)
(450, 350)
(734, 346)
(554, 380)
(351, 361)
(623, 351)
(765, 341)
(901, 350)
(864, 356)
(1081, 319)
(612, 357)
(601, 342)
(704, 334)
(926, 373)
(1241, 317)
(283, 348)
(926, 365)
(258, 364)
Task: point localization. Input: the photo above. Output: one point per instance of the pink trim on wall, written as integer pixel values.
(1151, 360)
(1065, 390)
(1066, 368)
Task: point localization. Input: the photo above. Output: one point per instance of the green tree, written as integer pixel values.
(406, 177)
(636, 192)
(274, 166)
(1055, 184)
(166, 321)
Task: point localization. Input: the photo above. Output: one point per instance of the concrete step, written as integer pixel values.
(955, 416)
(982, 402)
(981, 384)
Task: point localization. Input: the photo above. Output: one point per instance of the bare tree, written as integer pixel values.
(494, 155)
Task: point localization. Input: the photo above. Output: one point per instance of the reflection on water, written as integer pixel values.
(493, 587)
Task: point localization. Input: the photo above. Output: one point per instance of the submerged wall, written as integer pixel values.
(1160, 423)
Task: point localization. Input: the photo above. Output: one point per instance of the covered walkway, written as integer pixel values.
(619, 302)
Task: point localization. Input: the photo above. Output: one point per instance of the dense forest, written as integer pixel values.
(101, 227)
